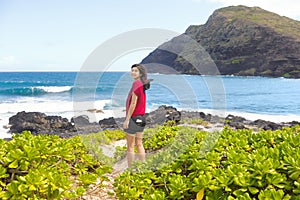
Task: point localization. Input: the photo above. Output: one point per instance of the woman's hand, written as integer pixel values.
(126, 123)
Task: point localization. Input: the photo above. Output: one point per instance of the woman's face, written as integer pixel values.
(135, 73)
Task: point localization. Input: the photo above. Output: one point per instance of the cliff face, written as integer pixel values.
(246, 41)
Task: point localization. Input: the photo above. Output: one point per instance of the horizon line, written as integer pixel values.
(58, 71)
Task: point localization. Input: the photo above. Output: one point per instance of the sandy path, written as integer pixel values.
(98, 192)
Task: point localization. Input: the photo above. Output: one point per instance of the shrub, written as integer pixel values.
(240, 165)
(93, 141)
(46, 167)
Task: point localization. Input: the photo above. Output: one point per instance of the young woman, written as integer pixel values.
(135, 113)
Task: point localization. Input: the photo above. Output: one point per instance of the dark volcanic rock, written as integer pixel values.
(108, 123)
(80, 120)
(266, 125)
(293, 123)
(40, 123)
(201, 115)
(37, 122)
(205, 117)
(157, 117)
(163, 114)
(235, 121)
(239, 40)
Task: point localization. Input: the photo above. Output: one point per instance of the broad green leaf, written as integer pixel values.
(200, 195)
(32, 188)
(253, 190)
(13, 165)
(13, 187)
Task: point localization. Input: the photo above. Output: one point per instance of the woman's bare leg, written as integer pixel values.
(139, 146)
(130, 138)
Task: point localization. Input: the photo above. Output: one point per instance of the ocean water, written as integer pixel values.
(71, 94)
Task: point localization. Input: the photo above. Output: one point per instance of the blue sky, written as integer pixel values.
(59, 35)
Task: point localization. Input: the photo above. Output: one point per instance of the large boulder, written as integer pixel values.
(80, 120)
(163, 114)
(108, 123)
(235, 121)
(37, 122)
(157, 117)
(266, 125)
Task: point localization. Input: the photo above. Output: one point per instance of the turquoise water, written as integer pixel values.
(69, 94)
(243, 94)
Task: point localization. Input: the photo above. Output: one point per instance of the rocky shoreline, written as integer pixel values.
(40, 123)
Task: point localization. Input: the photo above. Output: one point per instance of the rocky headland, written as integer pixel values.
(238, 40)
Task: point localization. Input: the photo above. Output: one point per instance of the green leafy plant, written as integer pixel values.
(158, 137)
(46, 167)
(232, 164)
(196, 121)
(120, 153)
(93, 141)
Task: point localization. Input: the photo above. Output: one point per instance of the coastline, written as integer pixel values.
(276, 118)
(49, 94)
(160, 115)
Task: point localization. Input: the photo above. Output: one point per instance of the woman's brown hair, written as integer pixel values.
(143, 72)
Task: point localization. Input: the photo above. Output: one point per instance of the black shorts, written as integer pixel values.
(136, 124)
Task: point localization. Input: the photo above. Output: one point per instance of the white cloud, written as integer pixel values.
(8, 60)
(288, 8)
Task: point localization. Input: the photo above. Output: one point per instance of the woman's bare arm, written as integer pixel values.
(132, 106)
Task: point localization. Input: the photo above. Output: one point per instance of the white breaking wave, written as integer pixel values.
(55, 89)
